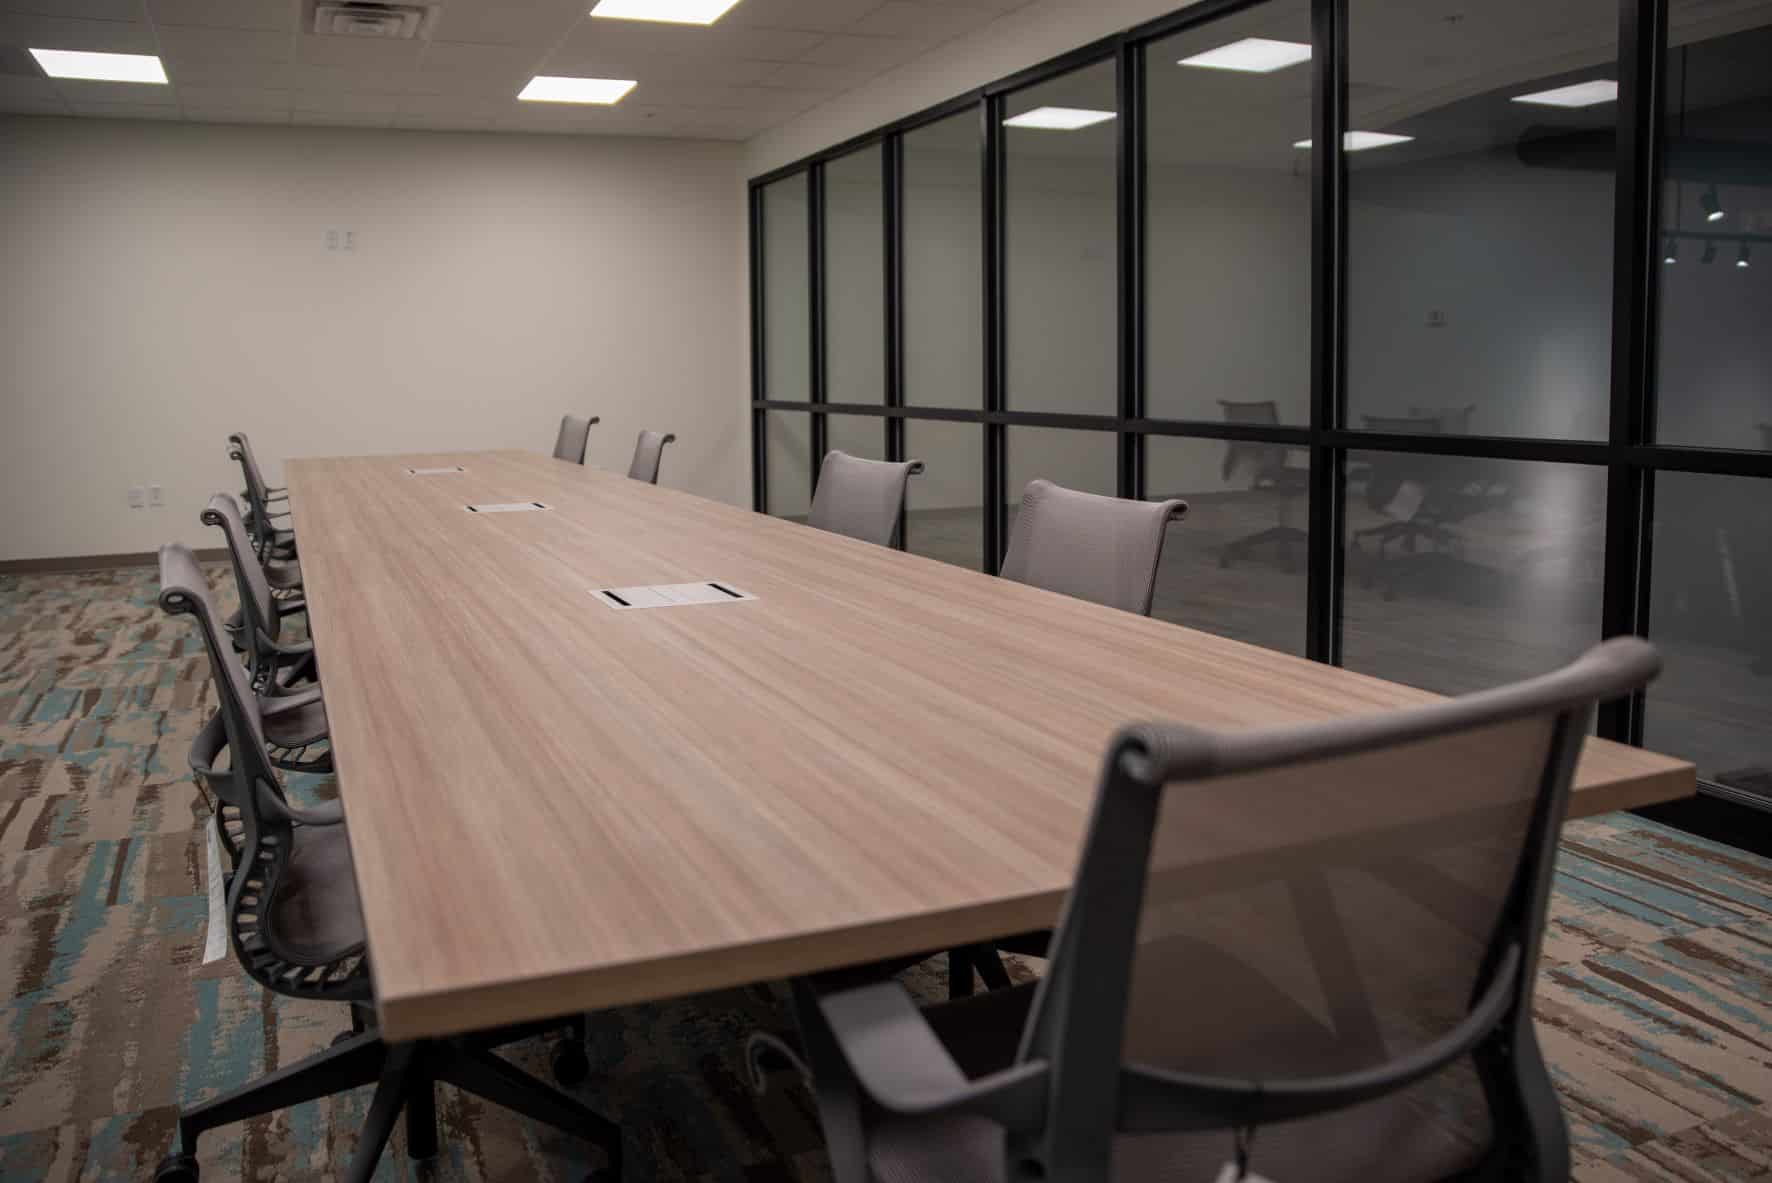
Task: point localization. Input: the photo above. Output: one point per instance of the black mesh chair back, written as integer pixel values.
(575, 434)
(256, 603)
(293, 915)
(648, 451)
(1104, 549)
(861, 498)
(258, 494)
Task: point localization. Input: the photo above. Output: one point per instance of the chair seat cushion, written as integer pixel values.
(284, 576)
(297, 727)
(314, 917)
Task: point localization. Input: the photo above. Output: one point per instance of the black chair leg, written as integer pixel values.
(351, 1064)
(989, 965)
(421, 1116)
(384, 1111)
(486, 1075)
(959, 974)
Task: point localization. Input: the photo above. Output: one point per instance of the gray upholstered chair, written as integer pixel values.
(861, 498)
(292, 716)
(295, 924)
(575, 433)
(648, 451)
(271, 541)
(1353, 1003)
(1104, 549)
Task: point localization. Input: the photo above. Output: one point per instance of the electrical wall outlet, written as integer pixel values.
(138, 497)
(156, 496)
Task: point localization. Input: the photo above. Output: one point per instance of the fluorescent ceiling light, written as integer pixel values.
(1582, 94)
(545, 88)
(1251, 55)
(1059, 118)
(1360, 141)
(101, 67)
(677, 12)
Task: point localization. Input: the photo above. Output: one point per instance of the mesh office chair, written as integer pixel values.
(648, 451)
(861, 498)
(575, 434)
(1104, 549)
(1263, 468)
(296, 926)
(1351, 1004)
(271, 541)
(292, 717)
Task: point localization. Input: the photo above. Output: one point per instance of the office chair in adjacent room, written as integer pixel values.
(296, 926)
(1104, 549)
(575, 434)
(648, 451)
(1263, 468)
(861, 498)
(1353, 1005)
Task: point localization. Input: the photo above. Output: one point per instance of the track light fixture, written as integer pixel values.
(1741, 257)
(1672, 254)
(1712, 205)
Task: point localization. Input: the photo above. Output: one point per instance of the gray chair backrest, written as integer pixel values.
(648, 451)
(257, 492)
(1393, 873)
(1104, 549)
(575, 433)
(1245, 460)
(861, 498)
(1449, 420)
(256, 603)
(259, 820)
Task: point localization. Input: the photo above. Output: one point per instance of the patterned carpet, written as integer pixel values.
(1655, 1004)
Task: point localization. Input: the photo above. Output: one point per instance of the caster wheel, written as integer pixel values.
(177, 1168)
(570, 1065)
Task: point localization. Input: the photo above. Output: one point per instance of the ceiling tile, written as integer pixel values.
(51, 32)
(137, 94)
(833, 78)
(862, 53)
(347, 102)
(204, 114)
(357, 52)
(125, 111)
(232, 97)
(95, 10)
(650, 68)
(452, 105)
(29, 106)
(183, 44)
(930, 23)
(443, 122)
(822, 16)
(257, 75)
(270, 15)
(365, 80)
(509, 22)
(777, 98)
(725, 42)
(342, 118)
(459, 55)
(27, 89)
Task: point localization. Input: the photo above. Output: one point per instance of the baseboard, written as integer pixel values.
(145, 558)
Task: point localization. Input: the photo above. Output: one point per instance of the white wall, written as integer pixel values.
(166, 284)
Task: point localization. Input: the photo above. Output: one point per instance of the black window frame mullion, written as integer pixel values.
(759, 416)
(994, 467)
(1129, 154)
(1326, 562)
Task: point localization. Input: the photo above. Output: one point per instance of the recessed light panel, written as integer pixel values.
(677, 12)
(1582, 94)
(1059, 118)
(101, 67)
(1361, 141)
(545, 88)
(1251, 55)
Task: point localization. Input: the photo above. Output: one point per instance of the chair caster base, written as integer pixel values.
(177, 1168)
(570, 1066)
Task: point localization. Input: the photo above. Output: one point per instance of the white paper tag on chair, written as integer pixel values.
(215, 942)
(1228, 1174)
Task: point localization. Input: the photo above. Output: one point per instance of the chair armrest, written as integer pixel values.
(301, 649)
(901, 1064)
(272, 705)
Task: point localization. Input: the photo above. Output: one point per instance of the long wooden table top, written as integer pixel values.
(556, 806)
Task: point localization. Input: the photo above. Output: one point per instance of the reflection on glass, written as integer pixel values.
(1228, 221)
(1712, 617)
(1464, 573)
(943, 264)
(787, 329)
(788, 443)
(1060, 234)
(944, 507)
(1715, 358)
(1235, 565)
(1084, 460)
(858, 435)
(855, 278)
(1480, 248)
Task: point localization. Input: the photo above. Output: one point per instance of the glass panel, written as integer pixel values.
(1715, 380)
(1228, 221)
(944, 507)
(1480, 250)
(1712, 617)
(858, 435)
(1465, 573)
(1236, 564)
(943, 264)
(1082, 460)
(855, 278)
(789, 452)
(1061, 297)
(787, 329)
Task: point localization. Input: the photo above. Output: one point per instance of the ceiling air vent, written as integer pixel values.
(355, 18)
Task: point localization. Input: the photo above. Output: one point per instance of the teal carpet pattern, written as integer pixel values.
(1654, 1005)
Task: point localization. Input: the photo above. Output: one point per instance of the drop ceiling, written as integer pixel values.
(254, 61)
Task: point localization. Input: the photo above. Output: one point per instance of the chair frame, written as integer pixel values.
(657, 460)
(584, 441)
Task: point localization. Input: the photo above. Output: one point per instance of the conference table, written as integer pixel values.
(813, 753)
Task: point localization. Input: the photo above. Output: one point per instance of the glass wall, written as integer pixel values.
(944, 506)
(858, 435)
(788, 446)
(943, 217)
(787, 291)
(1059, 227)
(854, 270)
(1075, 459)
